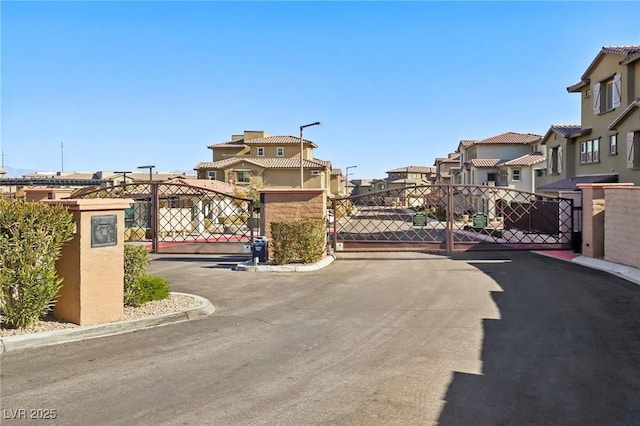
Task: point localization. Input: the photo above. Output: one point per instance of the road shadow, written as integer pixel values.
(566, 349)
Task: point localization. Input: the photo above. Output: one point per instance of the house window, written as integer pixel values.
(211, 175)
(607, 94)
(243, 177)
(491, 177)
(280, 151)
(315, 173)
(613, 144)
(515, 175)
(260, 151)
(590, 151)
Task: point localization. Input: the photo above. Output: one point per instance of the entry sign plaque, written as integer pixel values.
(104, 230)
(480, 220)
(419, 219)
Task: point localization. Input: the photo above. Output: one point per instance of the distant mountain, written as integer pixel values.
(14, 173)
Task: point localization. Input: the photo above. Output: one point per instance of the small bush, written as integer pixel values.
(31, 240)
(153, 288)
(136, 260)
(301, 241)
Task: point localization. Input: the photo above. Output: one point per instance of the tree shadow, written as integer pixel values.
(566, 349)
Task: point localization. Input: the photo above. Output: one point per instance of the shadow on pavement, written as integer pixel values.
(565, 351)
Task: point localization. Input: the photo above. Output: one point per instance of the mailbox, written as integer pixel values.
(104, 230)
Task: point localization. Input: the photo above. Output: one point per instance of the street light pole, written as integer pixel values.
(346, 184)
(124, 176)
(317, 123)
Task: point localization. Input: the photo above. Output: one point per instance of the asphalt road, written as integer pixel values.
(375, 339)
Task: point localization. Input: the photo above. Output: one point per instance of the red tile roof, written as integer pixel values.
(526, 160)
(267, 163)
(510, 138)
(485, 162)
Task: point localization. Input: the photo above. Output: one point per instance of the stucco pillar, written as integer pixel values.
(290, 204)
(92, 263)
(593, 210)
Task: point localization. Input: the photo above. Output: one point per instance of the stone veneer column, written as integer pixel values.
(290, 204)
(93, 287)
(593, 209)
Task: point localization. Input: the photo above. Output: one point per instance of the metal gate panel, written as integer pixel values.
(451, 218)
(180, 218)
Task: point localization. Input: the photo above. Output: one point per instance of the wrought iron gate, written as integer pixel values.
(451, 218)
(172, 217)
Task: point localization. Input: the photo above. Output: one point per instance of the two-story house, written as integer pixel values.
(447, 169)
(508, 160)
(273, 160)
(605, 147)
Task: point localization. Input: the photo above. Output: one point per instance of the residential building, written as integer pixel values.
(410, 175)
(255, 157)
(508, 160)
(447, 169)
(605, 147)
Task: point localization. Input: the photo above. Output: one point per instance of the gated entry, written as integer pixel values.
(452, 218)
(184, 218)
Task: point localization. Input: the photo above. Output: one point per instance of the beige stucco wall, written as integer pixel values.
(622, 235)
(278, 205)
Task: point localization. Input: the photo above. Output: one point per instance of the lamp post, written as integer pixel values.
(317, 123)
(346, 184)
(150, 167)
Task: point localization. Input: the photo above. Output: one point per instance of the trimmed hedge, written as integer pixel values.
(31, 240)
(136, 260)
(140, 288)
(298, 241)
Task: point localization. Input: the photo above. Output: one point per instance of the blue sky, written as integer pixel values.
(123, 84)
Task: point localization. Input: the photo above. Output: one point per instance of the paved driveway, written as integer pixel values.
(375, 339)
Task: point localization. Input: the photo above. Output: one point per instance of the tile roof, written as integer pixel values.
(630, 53)
(624, 114)
(267, 163)
(485, 162)
(336, 172)
(269, 140)
(230, 144)
(526, 160)
(510, 138)
(467, 142)
(565, 130)
(413, 169)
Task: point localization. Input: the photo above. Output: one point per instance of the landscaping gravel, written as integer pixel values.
(173, 304)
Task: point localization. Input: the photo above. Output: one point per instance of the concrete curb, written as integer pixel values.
(622, 271)
(248, 266)
(13, 343)
(626, 272)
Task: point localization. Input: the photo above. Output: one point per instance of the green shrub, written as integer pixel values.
(153, 288)
(301, 241)
(31, 240)
(136, 260)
